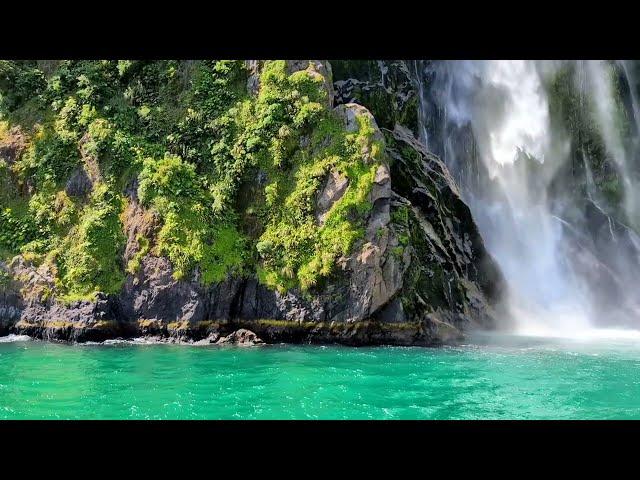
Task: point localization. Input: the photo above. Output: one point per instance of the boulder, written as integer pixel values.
(241, 338)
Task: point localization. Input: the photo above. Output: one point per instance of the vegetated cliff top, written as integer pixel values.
(83, 140)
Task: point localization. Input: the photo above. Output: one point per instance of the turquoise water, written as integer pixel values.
(491, 378)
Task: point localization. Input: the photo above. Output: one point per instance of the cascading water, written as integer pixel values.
(518, 175)
(600, 89)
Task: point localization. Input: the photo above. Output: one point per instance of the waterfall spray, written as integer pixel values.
(549, 271)
(608, 114)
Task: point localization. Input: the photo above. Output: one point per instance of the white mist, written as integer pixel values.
(507, 108)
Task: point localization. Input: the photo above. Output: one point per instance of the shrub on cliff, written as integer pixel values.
(193, 137)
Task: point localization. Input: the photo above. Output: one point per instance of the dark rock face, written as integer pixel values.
(79, 321)
(153, 293)
(385, 87)
(451, 277)
(11, 304)
(419, 276)
(79, 184)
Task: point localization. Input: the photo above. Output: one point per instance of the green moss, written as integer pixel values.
(574, 112)
(89, 261)
(194, 138)
(16, 229)
(612, 191)
(400, 215)
(225, 255)
(50, 157)
(333, 328)
(143, 249)
(191, 234)
(294, 250)
(21, 87)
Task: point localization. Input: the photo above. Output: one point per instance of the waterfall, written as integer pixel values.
(607, 113)
(565, 271)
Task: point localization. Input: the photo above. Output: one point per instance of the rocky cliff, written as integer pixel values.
(188, 200)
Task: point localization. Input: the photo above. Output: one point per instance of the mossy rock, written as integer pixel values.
(385, 87)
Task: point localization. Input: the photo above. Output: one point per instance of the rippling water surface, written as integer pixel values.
(489, 378)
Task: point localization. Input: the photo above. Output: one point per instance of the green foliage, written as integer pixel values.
(612, 190)
(54, 214)
(400, 215)
(50, 157)
(5, 277)
(90, 260)
(226, 254)
(217, 85)
(16, 229)
(213, 130)
(143, 249)
(21, 86)
(295, 250)
(194, 138)
(167, 180)
(191, 234)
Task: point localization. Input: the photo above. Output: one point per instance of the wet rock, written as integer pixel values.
(451, 278)
(385, 87)
(209, 340)
(79, 184)
(153, 293)
(241, 338)
(11, 303)
(606, 255)
(253, 82)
